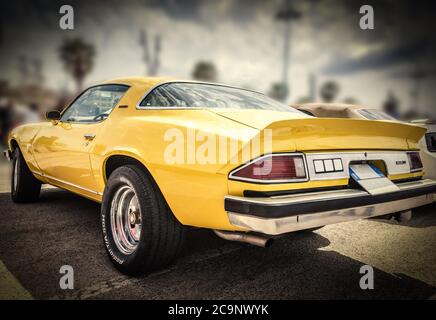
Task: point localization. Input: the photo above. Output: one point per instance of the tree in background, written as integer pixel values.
(78, 58)
(329, 91)
(205, 71)
(151, 55)
(391, 106)
(278, 91)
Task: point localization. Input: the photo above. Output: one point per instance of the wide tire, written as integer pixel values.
(140, 232)
(24, 186)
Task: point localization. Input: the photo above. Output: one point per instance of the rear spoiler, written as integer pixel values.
(346, 134)
(329, 134)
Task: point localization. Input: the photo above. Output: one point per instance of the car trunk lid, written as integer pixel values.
(297, 131)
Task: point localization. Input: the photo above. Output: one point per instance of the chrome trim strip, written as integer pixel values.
(232, 177)
(67, 183)
(301, 198)
(278, 226)
(38, 173)
(170, 108)
(324, 195)
(138, 107)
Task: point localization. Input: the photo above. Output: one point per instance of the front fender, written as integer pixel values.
(24, 137)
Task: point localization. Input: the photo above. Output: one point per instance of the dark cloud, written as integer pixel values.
(404, 29)
(409, 53)
(404, 34)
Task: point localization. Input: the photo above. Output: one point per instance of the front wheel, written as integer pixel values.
(139, 230)
(24, 186)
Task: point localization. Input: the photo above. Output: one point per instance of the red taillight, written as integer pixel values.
(415, 161)
(274, 168)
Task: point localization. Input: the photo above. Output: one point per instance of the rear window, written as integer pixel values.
(210, 96)
(374, 114)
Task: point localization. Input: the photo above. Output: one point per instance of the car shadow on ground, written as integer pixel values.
(64, 229)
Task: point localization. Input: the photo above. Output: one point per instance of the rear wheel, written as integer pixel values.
(139, 230)
(24, 186)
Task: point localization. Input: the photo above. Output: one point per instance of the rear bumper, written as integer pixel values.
(282, 214)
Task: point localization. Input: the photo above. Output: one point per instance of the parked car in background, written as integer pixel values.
(428, 147)
(341, 110)
(274, 170)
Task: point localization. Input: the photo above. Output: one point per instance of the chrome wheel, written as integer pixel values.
(125, 219)
(15, 176)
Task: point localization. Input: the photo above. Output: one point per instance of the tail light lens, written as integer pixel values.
(272, 168)
(415, 161)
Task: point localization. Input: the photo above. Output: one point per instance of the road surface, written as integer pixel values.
(63, 229)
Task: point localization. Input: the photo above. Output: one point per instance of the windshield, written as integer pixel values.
(209, 96)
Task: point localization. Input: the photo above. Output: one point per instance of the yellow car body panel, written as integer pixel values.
(57, 152)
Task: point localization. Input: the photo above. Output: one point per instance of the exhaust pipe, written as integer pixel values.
(257, 240)
(403, 216)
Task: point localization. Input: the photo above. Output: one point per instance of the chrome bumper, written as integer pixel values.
(7, 154)
(283, 214)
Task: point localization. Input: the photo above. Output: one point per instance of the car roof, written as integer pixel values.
(149, 83)
(139, 81)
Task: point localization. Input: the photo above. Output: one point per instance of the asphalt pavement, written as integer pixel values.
(64, 229)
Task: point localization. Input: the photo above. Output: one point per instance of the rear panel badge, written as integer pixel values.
(328, 165)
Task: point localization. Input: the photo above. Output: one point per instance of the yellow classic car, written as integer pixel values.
(161, 155)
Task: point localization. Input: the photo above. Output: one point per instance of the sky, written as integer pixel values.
(242, 38)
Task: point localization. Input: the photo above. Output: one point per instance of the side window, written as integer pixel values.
(95, 104)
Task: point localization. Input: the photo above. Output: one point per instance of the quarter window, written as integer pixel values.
(95, 104)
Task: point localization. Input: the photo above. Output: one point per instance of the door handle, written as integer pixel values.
(89, 136)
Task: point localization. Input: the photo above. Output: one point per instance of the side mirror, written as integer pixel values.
(53, 115)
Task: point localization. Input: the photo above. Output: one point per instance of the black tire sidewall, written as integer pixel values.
(126, 263)
(15, 166)
(27, 187)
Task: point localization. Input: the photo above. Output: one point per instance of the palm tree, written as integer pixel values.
(78, 59)
(204, 71)
(329, 91)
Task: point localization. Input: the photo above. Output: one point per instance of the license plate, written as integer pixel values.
(371, 179)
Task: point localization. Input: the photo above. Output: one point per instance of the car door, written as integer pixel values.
(62, 149)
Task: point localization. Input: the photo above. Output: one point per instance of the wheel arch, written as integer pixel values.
(13, 144)
(114, 161)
